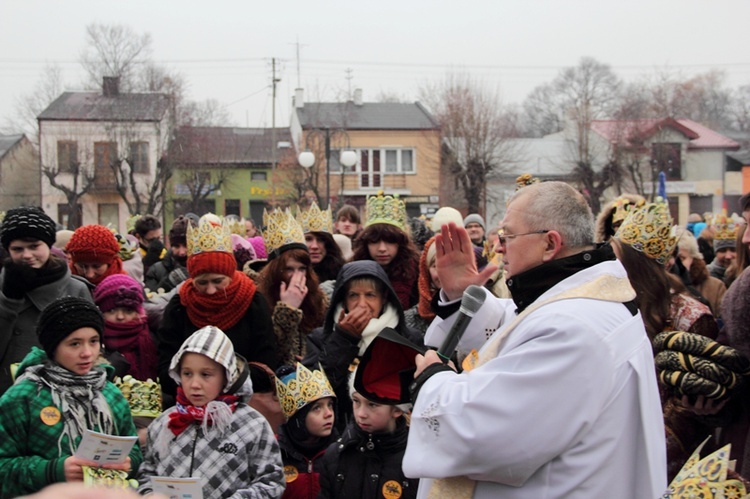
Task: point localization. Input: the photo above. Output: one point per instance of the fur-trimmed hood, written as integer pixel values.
(604, 228)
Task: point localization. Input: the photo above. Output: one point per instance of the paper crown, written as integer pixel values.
(236, 226)
(130, 223)
(282, 232)
(726, 229)
(315, 220)
(383, 209)
(144, 397)
(649, 230)
(301, 388)
(622, 205)
(706, 478)
(210, 235)
(525, 180)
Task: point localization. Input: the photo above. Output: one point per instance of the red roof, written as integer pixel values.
(700, 136)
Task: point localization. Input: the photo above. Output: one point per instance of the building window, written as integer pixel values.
(67, 155)
(139, 157)
(64, 216)
(667, 158)
(109, 214)
(395, 161)
(258, 176)
(231, 207)
(105, 154)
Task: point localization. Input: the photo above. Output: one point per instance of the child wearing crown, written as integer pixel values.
(212, 433)
(366, 460)
(308, 402)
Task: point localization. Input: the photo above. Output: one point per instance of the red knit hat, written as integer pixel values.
(212, 262)
(92, 244)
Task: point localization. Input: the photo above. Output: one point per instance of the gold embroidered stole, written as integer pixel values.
(606, 288)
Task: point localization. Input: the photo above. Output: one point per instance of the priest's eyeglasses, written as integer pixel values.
(502, 237)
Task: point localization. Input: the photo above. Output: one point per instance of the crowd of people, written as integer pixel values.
(605, 351)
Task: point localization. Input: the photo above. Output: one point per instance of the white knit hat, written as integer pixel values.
(444, 215)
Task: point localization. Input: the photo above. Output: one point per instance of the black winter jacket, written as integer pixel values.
(158, 274)
(367, 465)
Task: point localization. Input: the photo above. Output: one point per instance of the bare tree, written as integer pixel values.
(114, 50)
(74, 179)
(475, 131)
(29, 106)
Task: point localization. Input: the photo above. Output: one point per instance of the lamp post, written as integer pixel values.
(347, 159)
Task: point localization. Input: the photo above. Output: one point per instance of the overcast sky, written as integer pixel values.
(224, 48)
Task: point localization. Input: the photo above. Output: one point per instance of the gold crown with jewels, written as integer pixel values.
(649, 230)
(301, 388)
(726, 229)
(212, 234)
(525, 180)
(315, 220)
(706, 478)
(144, 397)
(281, 230)
(622, 206)
(382, 209)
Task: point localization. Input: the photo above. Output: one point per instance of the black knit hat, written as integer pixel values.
(62, 317)
(27, 221)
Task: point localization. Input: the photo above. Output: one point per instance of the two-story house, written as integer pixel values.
(19, 172)
(101, 154)
(397, 148)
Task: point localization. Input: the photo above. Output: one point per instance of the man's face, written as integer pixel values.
(179, 251)
(524, 252)
(32, 253)
(149, 237)
(316, 246)
(476, 232)
(725, 256)
(746, 234)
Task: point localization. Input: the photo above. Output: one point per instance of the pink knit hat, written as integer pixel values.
(119, 290)
(259, 246)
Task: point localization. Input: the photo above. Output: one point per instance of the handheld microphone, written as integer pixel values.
(472, 299)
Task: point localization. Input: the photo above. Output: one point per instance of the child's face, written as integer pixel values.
(202, 379)
(121, 314)
(372, 417)
(78, 351)
(319, 420)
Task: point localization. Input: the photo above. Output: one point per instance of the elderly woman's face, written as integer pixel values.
(211, 283)
(687, 259)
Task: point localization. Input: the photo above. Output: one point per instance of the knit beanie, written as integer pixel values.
(92, 244)
(214, 344)
(259, 246)
(178, 232)
(474, 218)
(27, 221)
(64, 316)
(212, 262)
(444, 215)
(119, 290)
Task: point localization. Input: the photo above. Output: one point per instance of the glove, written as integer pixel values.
(177, 276)
(17, 280)
(153, 254)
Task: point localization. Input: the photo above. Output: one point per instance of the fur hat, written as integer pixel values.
(444, 215)
(93, 244)
(63, 316)
(474, 218)
(62, 238)
(214, 344)
(119, 290)
(345, 245)
(27, 221)
(178, 232)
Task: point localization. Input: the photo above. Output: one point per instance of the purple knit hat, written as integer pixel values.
(119, 290)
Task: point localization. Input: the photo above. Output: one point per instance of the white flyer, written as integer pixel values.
(103, 448)
(177, 488)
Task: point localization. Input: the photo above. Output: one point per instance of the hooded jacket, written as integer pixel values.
(335, 349)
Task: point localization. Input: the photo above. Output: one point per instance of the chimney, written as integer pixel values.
(111, 86)
(357, 96)
(299, 98)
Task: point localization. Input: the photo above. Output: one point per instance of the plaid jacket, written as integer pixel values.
(29, 455)
(244, 462)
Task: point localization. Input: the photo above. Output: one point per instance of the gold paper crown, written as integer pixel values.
(210, 235)
(236, 226)
(649, 230)
(144, 397)
(726, 229)
(130, 223)
(706, 478)
(281, 230)
(622, 206)
(383, 209)
(301, 388)
(315, 220)
(525, 180)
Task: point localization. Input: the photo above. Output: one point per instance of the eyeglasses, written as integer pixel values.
(502, 237)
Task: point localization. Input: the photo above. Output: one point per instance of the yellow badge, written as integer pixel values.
(50, 415)
(391, 489)
(291, 473)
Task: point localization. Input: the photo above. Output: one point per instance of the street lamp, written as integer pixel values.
(347, 159)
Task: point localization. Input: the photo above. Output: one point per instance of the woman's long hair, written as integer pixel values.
(405, 264)
(313, 306)
(652, 286)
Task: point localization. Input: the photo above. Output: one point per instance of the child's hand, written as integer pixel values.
(73, 468)
(124, 466)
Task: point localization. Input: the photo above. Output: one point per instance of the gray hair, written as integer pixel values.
(558, 206)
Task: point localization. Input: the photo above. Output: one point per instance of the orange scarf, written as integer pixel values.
(223, 309)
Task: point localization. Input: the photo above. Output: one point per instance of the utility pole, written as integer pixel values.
(349, 77)
(274, 81)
